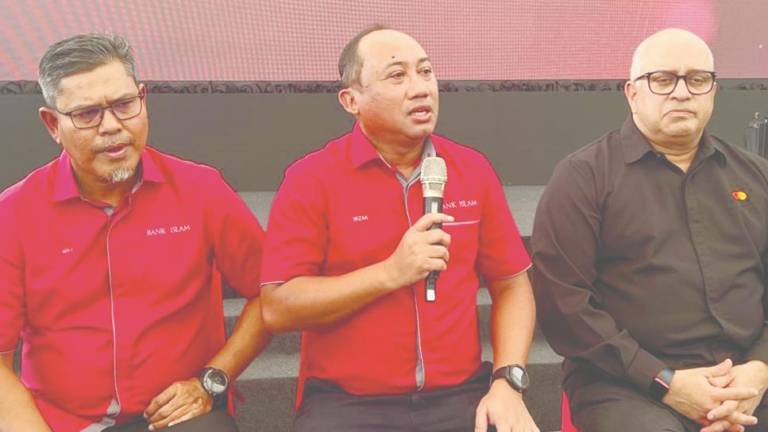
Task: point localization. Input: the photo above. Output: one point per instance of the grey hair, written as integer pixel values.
(81, 53)
(350, 63)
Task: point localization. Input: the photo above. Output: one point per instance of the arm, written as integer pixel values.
(17, 408)
(513, 318)
(237, 243)
(565, 241)
(310, 301)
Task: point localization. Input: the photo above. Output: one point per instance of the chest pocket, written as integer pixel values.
(465, 235)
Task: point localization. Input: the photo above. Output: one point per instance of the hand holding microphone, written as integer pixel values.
(423, 250)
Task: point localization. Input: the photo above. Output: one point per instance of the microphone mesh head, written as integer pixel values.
(433, 176)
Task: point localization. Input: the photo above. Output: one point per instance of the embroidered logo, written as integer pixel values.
(66, 251)
(739, 195)
(175, 229)
(361, 218)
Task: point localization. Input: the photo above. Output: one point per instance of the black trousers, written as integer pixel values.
(327, 408)
(217, 420)
(609, 406)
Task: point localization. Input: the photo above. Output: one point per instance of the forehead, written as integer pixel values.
(677, 55)
(385, 46)
(95, 86)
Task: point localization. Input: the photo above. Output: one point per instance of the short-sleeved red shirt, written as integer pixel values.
(113, 306)
(343, 208)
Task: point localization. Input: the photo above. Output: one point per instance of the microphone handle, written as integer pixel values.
(432, 205)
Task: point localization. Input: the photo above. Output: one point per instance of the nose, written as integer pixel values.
(681, 90)
(418, 87)
(109, 122)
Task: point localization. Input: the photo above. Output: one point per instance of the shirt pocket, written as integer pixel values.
(465, 234)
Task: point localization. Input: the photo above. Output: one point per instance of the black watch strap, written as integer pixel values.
(661, 383)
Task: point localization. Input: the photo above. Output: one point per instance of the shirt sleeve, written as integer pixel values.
(564, 242)
(501, 252)
(237, 238)
(11, 281)
(759, 349)
(298, 231)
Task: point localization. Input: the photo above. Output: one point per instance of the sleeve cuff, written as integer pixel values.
(643, 369)
(759, 350)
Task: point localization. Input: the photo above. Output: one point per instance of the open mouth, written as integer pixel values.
(421, 112)
(116, 151)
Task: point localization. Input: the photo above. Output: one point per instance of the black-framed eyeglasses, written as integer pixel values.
(90, 117)
(663, 83)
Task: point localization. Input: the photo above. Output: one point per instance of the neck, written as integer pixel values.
(404, 155)
(110, 193)
(680, 154)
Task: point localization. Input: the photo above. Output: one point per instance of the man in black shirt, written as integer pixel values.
(650, 250)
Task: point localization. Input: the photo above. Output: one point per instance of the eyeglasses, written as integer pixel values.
(90, 117)
(664, 83)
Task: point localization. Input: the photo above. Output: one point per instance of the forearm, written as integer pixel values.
(513, 319)
(311, 301)
(248, 339)
(18, 411)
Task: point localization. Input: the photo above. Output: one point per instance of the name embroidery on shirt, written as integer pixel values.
(361, 218)
(176, 229)
(460, 204)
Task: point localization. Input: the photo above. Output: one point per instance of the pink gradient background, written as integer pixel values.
(299, 40)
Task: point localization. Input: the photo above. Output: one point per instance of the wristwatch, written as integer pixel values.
(215, 382)
(661, 383)
(516, 376)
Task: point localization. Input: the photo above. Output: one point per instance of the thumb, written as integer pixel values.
(481, 419)
(723, 368)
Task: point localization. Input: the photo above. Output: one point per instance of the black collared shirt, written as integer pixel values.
(639, 265)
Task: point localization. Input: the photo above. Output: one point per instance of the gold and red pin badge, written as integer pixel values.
(739, 195)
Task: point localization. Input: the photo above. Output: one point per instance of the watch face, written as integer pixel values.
(519, 378)
(215, 381)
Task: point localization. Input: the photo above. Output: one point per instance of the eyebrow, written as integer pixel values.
(109, 102)
(403, 63)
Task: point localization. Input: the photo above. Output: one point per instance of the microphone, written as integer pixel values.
(433, 178)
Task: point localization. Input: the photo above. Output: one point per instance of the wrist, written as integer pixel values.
(661, 384)
(388, 272)
(761, 371)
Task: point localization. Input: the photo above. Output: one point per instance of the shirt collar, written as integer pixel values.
(363, 151)
(65, 185)
(636, 145)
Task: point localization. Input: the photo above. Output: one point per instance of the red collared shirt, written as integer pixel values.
(115, 305)
(343, 208)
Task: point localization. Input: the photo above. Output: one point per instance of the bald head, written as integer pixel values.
(660, 49)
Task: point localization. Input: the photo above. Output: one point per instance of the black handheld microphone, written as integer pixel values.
(433, 178)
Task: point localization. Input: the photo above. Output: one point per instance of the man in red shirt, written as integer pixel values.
(110, 262)
(348, 250)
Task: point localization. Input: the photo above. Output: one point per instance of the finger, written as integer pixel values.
(736, 428)
(720, 369)
(437, 237)
(742, 419)
(723, 410)
(185, 417)
(166, 410)
(435, 264)
(175, 415)
(439, 252)
(721, 381)
(481, 419)
(734, 393)
(429, 219)
(718, 426)
(159, 401)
